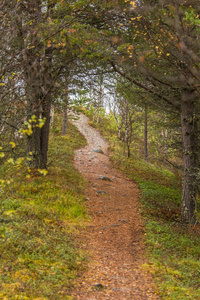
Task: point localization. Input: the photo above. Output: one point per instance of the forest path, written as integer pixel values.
(115, 237)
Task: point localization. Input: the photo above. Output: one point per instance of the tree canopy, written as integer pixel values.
(152, 44)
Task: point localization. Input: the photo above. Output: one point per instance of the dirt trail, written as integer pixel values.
(115, 237)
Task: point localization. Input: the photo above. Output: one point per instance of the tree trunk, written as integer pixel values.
(38, 92)
(64, 125)
(90, 104)
(190, 156)
(33, 145)
(65, 108)
(128, 150)
(33, 99)
(44, 135)
(99, 100)
(145, 132)
(38, 141)
(126, 133)
(119, 133)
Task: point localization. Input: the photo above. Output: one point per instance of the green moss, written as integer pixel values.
(39, 217)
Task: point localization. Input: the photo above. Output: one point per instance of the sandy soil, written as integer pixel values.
(114, 239)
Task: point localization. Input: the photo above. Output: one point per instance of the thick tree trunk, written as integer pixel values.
(47, 87)
(38, 92)
(37, 70)
(190, 160)
(33, 98)
(38, 141)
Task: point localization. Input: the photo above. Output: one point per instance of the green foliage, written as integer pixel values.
(158, 195)
(174, 259)
(39, 217)
(191, 17)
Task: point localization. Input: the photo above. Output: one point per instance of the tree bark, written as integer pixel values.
(65, 110)
(190, 156)
(99, 103)
(33, 99)
(44, 134)
(145, 132)
(65, 114)
(37, 72)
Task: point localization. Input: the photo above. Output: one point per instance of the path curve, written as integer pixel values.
(115, 237)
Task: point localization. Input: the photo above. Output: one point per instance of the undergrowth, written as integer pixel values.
(40, 216)
(172, 247)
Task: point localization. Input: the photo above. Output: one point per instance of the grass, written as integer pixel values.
(174, 260)
(40, 216)
(172, 248)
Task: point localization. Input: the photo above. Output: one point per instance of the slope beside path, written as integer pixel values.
(114, 239)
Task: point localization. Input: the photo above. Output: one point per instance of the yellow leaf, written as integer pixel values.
(13, 144)
(133, 3)
(9, 212)
(43, 171)
(11, 161)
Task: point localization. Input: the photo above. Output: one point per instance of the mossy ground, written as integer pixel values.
(40, 216)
